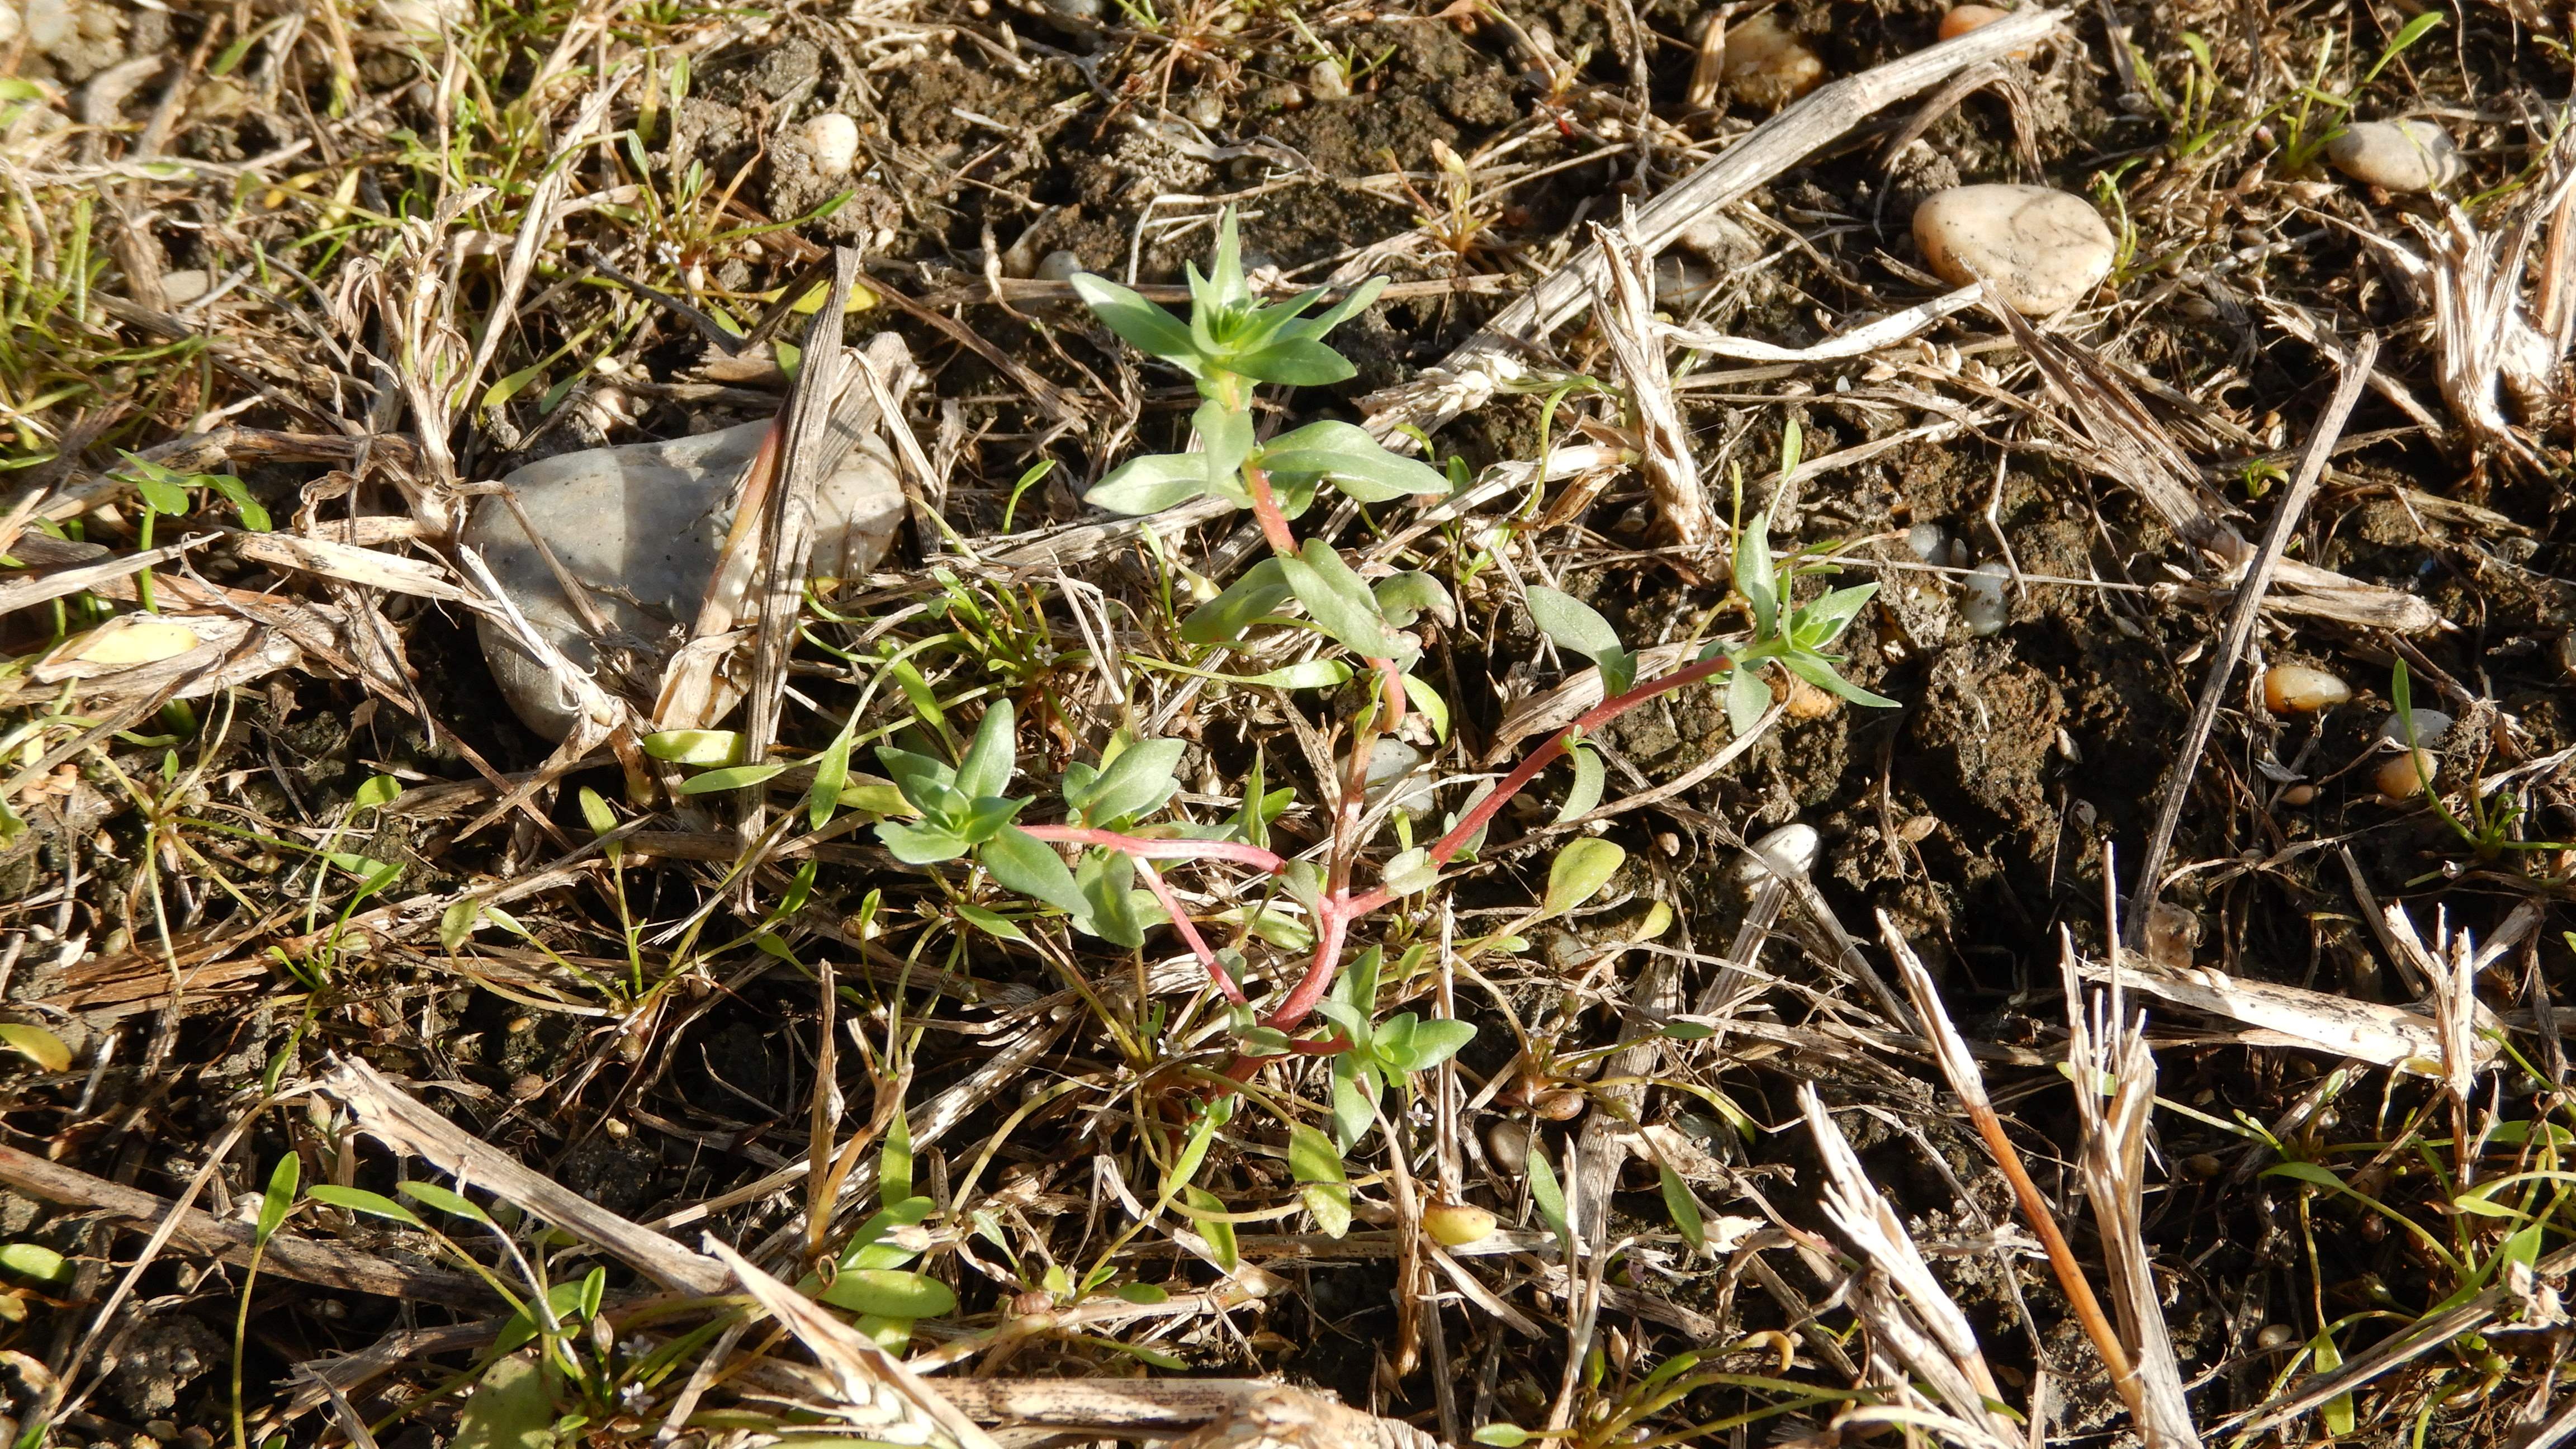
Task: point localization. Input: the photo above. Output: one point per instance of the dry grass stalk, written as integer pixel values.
(1472, 372)
(2239, 632)
(2103, 1048)
(1916, 1330)
(1959, 1069)
(1671, 474)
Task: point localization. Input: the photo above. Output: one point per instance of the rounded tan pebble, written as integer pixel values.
(2396, 155)
(2037, 250)
(834, 140)
(184, 286)
(1507, 1142)
(2296, 688)
(2403, 777)
(1965, 18)
(1456, 1224)
(2276, 1335)
(1766, 66)
(1559, 1106)
(2298, 795)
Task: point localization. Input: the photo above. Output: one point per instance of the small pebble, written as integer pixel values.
(1766, 66)
(2299, 795)
(1205, 110)
(1981, 599)
(2431, 726)
(1791, 847)
(2203, 1164)
(2276, 1335)
(1079, 12)
(2396, 155)
(1456, 1224)
(2173, 936)
(1059, 266)
(1559, 1106)
(2402, 778)
(2039, 251)
(834, 140)
(1327, 81)
(2297, 689)
(1507, 1142)
(1965, 18)
(182, 287)
(1927, 540)
(1804, 701)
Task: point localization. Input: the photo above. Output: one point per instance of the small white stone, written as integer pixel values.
(834, 140)
(1791, 848)
(2396, 155)
(642, 527)
(1327, 81)
(1059, 266)
(1982, 602)
(1928, 542)
(184, 286)
(2037, 250)
(2430, 727)
(1205, 110)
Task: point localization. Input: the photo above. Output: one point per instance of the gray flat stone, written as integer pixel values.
(2396, 155)
(641, 527)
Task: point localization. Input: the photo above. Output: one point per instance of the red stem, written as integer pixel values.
(1265, 506)
(1189, 931)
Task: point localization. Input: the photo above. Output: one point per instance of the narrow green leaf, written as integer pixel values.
(279, 1200)
(1427, 702)
(985, 772)
(1411, 872)
(1293, 362)
(1746, 698)
(695, 747)
(359, 1200)
(1150, 484)
(1548, 1196)
(890, 1293)
(445, 1200)
(920, 844)
(1146, 327)
(997, 926)
(1135, 784)
(894, 1163)
(831, 773)
(1571, 623)
(1205, 1210)
(1502, 1436)
(1222, 620)
(1683, 1207)
(34, 1262)
(732, 777)
(378, 791)
(1589, 778)
(37, 1045)
(1337, 601)
(1305, 674)
(1579, 872)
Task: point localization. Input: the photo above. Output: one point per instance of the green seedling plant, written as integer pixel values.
(2489, 829)
(959, 795)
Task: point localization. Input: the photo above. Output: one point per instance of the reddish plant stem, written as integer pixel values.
(1265, 506)
(1539, 759)
(1189, 932)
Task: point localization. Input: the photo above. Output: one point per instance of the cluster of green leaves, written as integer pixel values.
(1230, 342)
(1792, 635)
(963, 810)
(1380, 1052)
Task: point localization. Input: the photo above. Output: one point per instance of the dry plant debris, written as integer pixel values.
(1447, 553)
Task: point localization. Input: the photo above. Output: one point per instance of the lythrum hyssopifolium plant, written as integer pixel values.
(1113, 889)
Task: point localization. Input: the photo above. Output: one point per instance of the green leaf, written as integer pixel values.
(1403, 597)
(445, 1200)
(1225, 442)
(1820, 674)
(1020, 862)
(1111, 906)
(1683, 1207)
(1589, 777)
(1335, 315)
(511, 1407)
(1579, 872)
(997, 926)
(1355, 1093)
(985, 772)
(920, 844)
(1427, 702)
(1754, 575)
(37, 1045)
(1293, 362)
(2307, 1172)
(695, 747)
(1746, 698)
(1222, 620)
(1135, 784)
(928, 784)
(1502, 1436)
(378, 791)
(359, 1200)
(1351, 460)
(890, 1293)
(1305, 674)
(279, 1200)
(1410, 872)
(1205, 1210)
(1434, 1042)
(1323, 1182)
(732, 777)
(1145, 1294)
(1336, 600)
(601, 820)
(1151, 483)
(1147, 328)
(34, 1262)
(237, 493)
(831, 773)
(1823, 621)
(1548, 1196)
(1571, 623)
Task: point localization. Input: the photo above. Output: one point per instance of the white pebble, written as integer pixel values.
(1928, 541)
(1327, 81)
(1791, 848)
(1982, 602)
(184, 286)
(834, 140)
(2396, 155)
(1059, 266)
(2430, 726)
(2037, 250)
